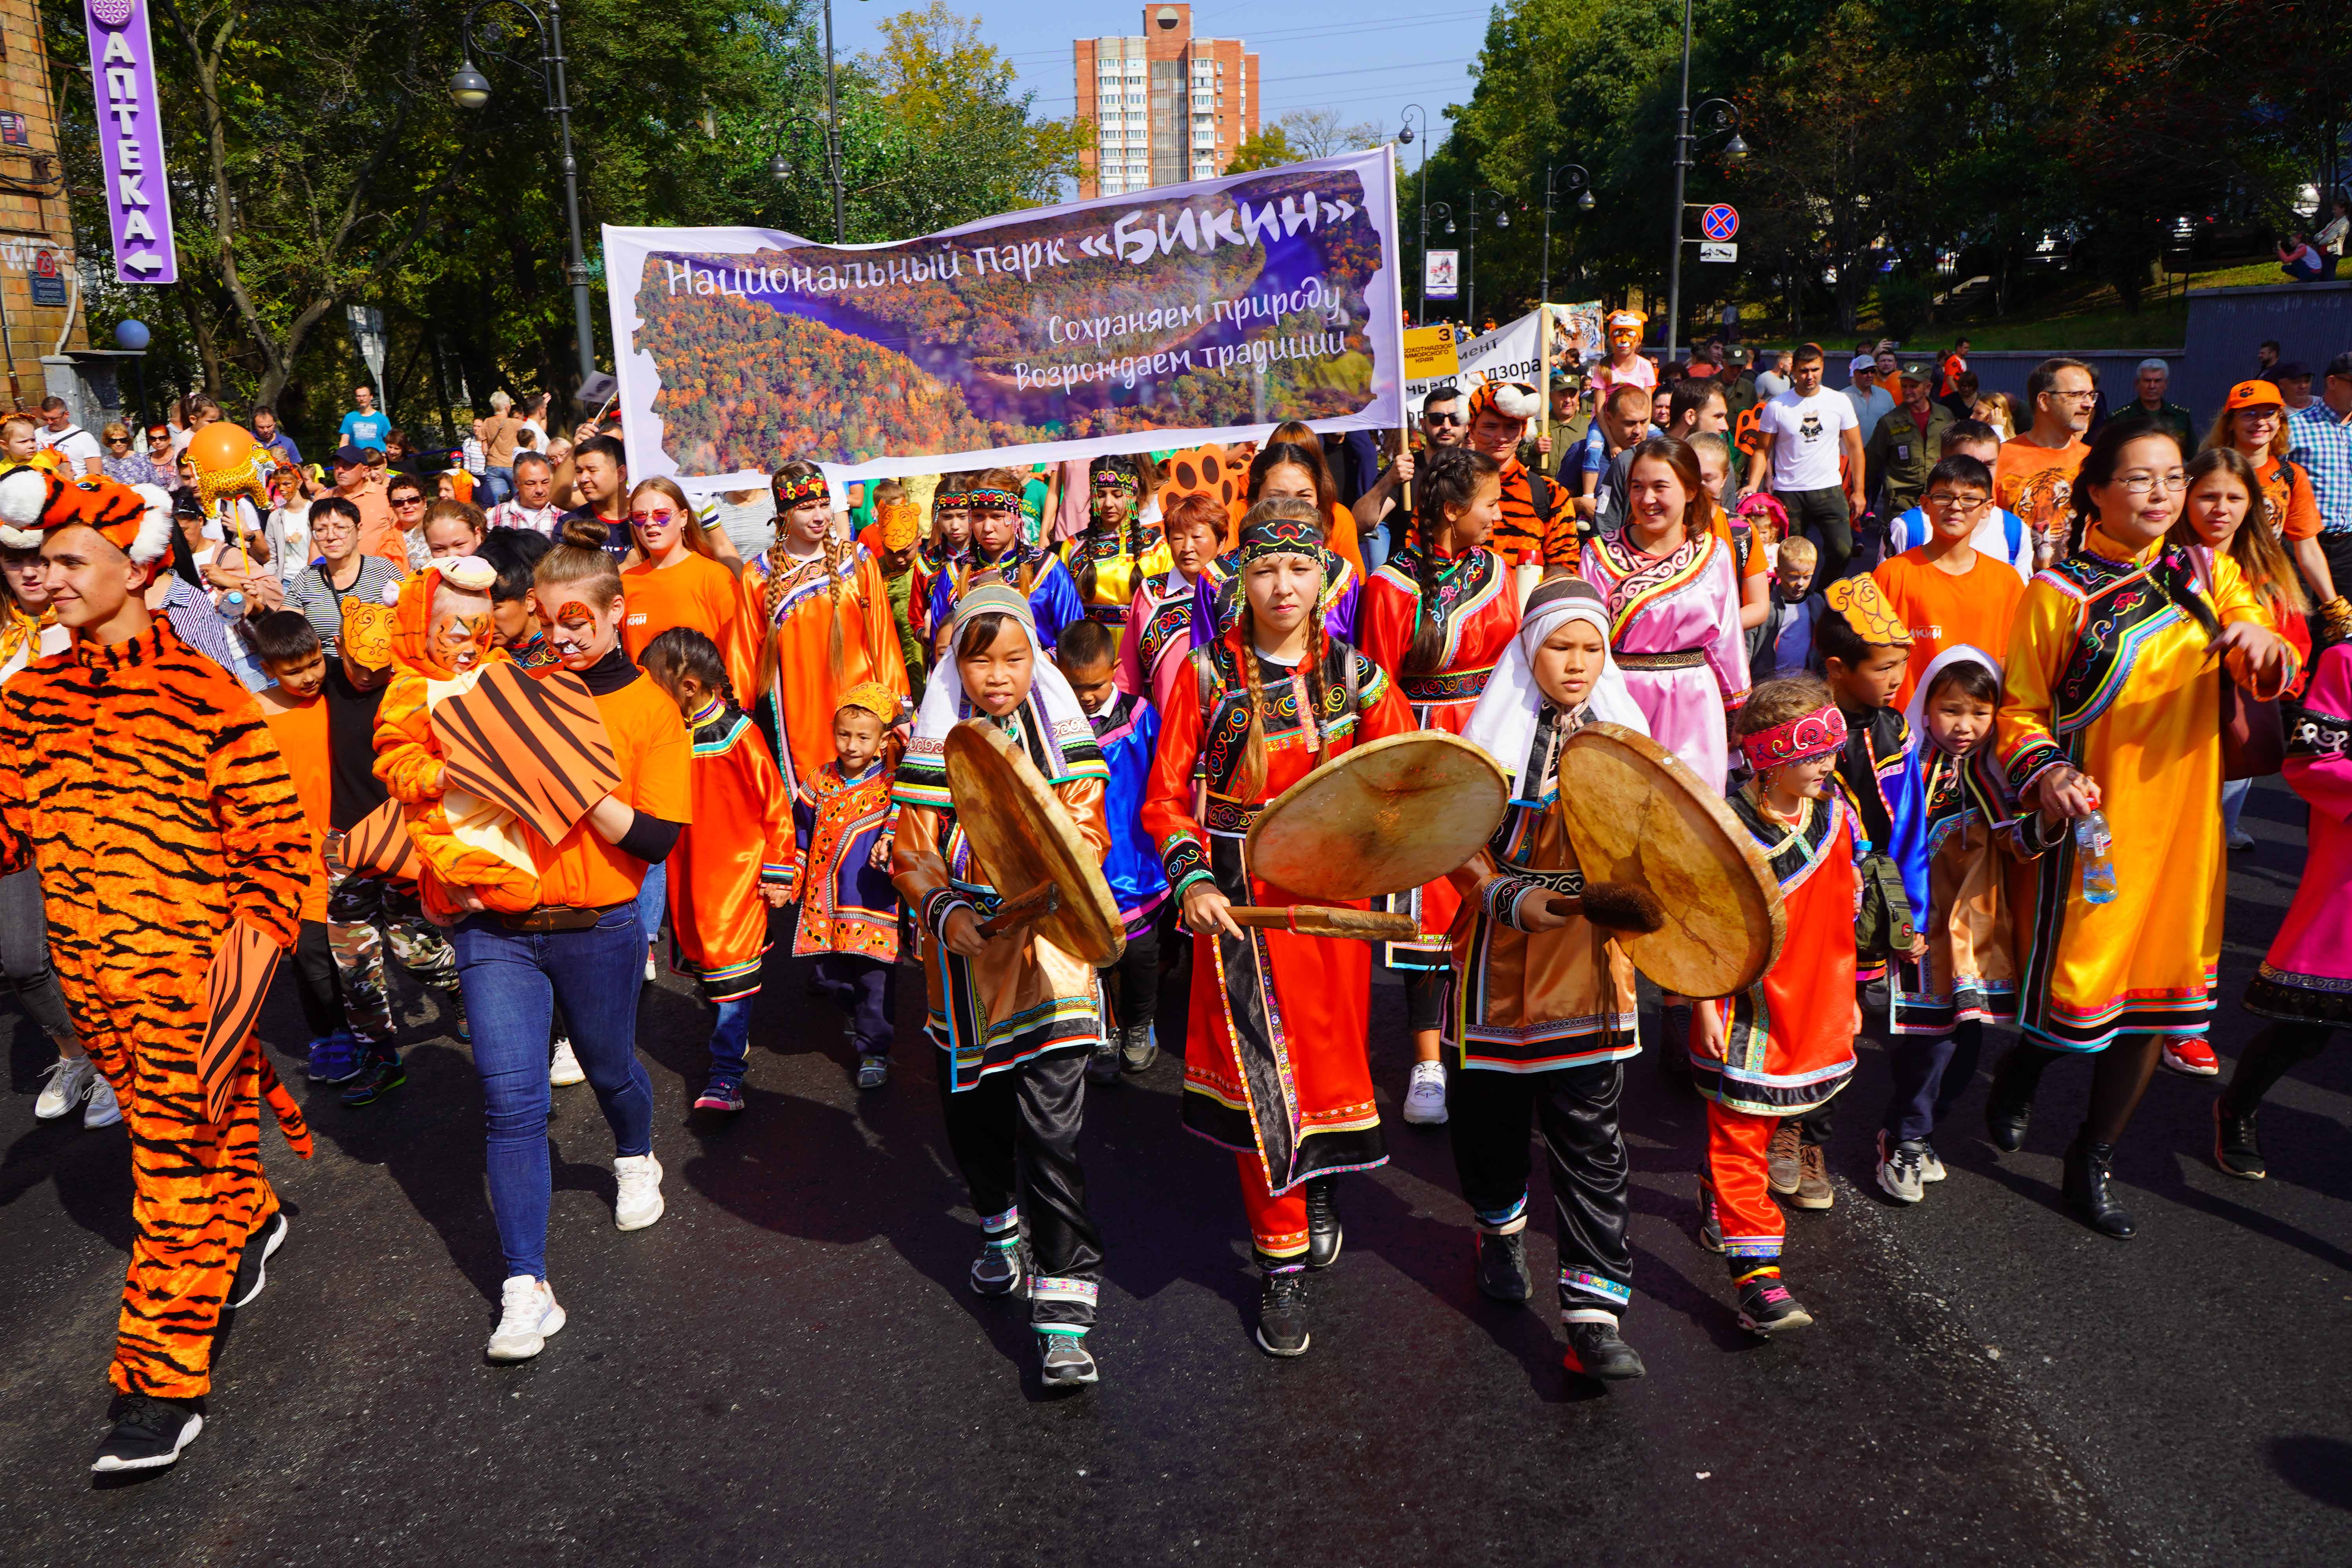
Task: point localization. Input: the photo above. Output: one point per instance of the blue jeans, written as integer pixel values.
(510, 982)
(500, 485)
(653, 900)
(730, 1041)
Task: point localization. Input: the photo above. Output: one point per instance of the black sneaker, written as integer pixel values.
(148, 1434)
(1710, 1227)
(1139, 1048)
(2234, 1149)
(1766, 1307)
(1282, 1313)
(1503, 1267)
(377, 1080)
(1065, 1361)
(253, 1263)
(1102, 1063)
(1324, 1235)
(1595, 1351)
(998, 1270)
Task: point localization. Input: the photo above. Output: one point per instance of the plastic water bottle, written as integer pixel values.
(231, 606)
(2092, 842)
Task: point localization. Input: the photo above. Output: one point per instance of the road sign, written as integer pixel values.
(1720, 221)
(1717, 252)
(1441, 273)
(1429, 354)
(48, 284)
(131, 141)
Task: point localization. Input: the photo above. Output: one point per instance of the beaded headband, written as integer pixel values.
(1800, 740)
(791, 493)
(1122, 480)
(946, 499)
(986, 499)
(1281, 536)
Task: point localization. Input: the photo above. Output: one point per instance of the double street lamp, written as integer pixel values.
(1577, 181)
(471, 88)
(1502, 217)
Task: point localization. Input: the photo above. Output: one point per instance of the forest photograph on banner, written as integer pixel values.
(1168, 317)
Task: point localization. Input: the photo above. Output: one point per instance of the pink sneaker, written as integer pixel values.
(2189, 1055)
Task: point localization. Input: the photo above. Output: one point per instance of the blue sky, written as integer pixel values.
(1366, 64)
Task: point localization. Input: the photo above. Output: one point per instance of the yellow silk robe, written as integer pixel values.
(2106, 673)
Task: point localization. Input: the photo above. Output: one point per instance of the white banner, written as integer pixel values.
(1173, 317)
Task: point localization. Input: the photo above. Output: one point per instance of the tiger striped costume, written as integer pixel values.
(142, 781)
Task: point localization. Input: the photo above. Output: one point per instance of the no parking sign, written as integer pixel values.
(1720, 221)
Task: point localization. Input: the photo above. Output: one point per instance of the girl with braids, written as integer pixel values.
(1118, 550)
(825, 614)
(1437, 616)
(1285, 470)
(999, 555)
(733, 862)
(1275, 1066)
(1673, 607)
(677, 579)
(1159, 635)
(2114, 682)
(948, 539)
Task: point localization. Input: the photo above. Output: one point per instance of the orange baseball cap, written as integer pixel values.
(2254, 394)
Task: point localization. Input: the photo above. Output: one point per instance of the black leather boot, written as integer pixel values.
(1323, 1235)
(2009, 1101)
(2087, 1173)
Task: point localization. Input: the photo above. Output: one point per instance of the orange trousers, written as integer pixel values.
(1278, 1225)
(1750, 1221)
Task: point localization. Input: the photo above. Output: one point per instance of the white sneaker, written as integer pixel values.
(650, 961)
(68, 1084)
(1425, 1096)
(102, 1110)
(564, 1070)
(640, 1201)
(527, 1315)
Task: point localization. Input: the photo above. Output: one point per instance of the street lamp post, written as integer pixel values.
(471, 88)
(1470, 271)
(781, 169)
(1421, 317)
(1577, 181)
(832, 134)
(1725, 118)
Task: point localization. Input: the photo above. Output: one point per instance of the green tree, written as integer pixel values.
(1269, 149)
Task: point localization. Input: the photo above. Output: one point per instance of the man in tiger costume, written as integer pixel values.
(141, 780)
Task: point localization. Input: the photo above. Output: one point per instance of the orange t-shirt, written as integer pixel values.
(1756, 563)
(2288, 498)
(656, 759)
(2018, 469)
(697, 592)
(301, 731)
(1944, 609)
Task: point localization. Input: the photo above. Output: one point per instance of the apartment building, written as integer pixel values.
(1167, 107)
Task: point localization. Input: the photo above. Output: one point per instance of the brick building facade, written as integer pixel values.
(1167, 107)
(36, 252)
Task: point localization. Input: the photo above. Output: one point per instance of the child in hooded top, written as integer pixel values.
(732, 863)
(1127, 727)
(1977, 870)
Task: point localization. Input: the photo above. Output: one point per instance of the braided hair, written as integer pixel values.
(1080, 559)
(779, 568)
(1454, 477)
(1251, 780)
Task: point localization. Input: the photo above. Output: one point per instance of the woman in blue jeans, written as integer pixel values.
(583, 946)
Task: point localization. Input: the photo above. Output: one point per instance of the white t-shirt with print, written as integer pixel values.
(1806, 437)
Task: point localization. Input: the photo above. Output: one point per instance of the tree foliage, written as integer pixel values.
(1269, 149)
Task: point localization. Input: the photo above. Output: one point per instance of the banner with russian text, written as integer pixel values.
(1171, 317)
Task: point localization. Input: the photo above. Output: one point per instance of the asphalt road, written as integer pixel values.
(789, 1369)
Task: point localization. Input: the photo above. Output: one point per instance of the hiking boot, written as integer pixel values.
(1282, 1313)
(1813, 1191)
(1503, 1267)
(1138, 1048)
(1595, 1352)
(1766, 1307)
(1781, 1167)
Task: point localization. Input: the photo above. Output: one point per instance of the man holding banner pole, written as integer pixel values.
(1444, 423)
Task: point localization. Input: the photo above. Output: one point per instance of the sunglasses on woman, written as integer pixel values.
(652, 519)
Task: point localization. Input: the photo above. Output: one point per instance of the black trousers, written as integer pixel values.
(315, 981)
(868, 990)
(1930, 1076)
(1015, 1136)
(1132, 981)
(1576, 1109)
(1424, 999)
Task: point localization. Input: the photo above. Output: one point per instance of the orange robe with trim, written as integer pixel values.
(741, 839)
(803, 681)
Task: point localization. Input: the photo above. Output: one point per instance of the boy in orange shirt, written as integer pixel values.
(292, 656)
(1945, 590)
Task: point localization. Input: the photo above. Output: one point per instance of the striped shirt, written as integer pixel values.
(2323, 449)
(321, 603)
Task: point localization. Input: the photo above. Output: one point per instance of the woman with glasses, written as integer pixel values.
(340, 572)
(118, 460)
(2113, 706)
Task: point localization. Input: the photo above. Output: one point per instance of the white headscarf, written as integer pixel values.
(1915, 712)
(1061, 739)
(1503, 726)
